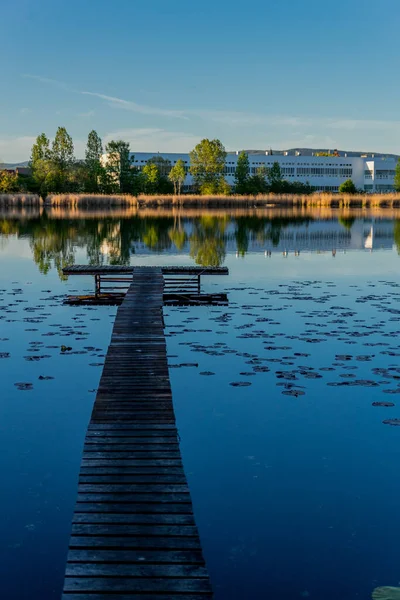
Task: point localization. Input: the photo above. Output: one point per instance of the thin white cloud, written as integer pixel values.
(113, 101)
(55, 82)
(154, 140)
(234, 118)
(139, 108)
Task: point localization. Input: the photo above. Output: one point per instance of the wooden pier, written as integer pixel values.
(182, 285)
(133, 532)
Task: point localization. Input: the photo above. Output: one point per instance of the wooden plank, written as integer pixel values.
(132, 596)
(136, 556)
(123, 529)
(183, 508)
(135, 570)
(156, 498)
(132, 488)
(136, 584)
(117, 269)
(134, 518)
(156, 542)
(133, 531)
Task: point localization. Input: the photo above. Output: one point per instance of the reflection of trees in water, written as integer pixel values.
(112, 240)
(208, 241)
(396, 234)
(347, 222)
(263, 230)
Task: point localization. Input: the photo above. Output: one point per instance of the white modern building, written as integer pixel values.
(325, 173)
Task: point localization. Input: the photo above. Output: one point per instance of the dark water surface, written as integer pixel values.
(294, 478)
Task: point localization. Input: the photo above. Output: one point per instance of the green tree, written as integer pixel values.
(242, 174)
(40, 150)
(257, 183)
(220, 187)
(40, 163)
(347, 187)
(397, 177)
(62, 151)
(120, 176)
(177, 175)
(150, 178)
(163, 164)
(275, 178)
(93, 168)
(207, 164)
(8, 182)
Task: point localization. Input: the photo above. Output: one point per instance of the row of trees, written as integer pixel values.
(55, 169)
(265, 180)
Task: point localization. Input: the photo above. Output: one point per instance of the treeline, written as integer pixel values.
(111, 170)
(54, 169)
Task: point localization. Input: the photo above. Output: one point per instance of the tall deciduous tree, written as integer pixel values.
(207, 164)
(163, 164)
(150, 178)
(62, 151)
(62, 159)
(275, 178)
(8, 182)
(242, 174)
(40, 150)
(120, 175)
(41, 165)
(93, 167)
(177, 175)
(397, 177)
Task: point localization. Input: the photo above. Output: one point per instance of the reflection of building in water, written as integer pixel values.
(111, 245)
(369, 242)
(330, 235)
(314, 236)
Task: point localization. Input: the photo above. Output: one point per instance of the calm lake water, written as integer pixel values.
(294, 477)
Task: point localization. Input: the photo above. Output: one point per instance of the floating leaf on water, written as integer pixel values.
(293, 392)
(24, 386)
(386, 593)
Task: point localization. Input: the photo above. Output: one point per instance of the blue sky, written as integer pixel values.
(163, 75)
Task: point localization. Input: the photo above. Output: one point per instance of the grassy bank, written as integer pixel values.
(91, 201)
(193, 200)
(20, 200)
